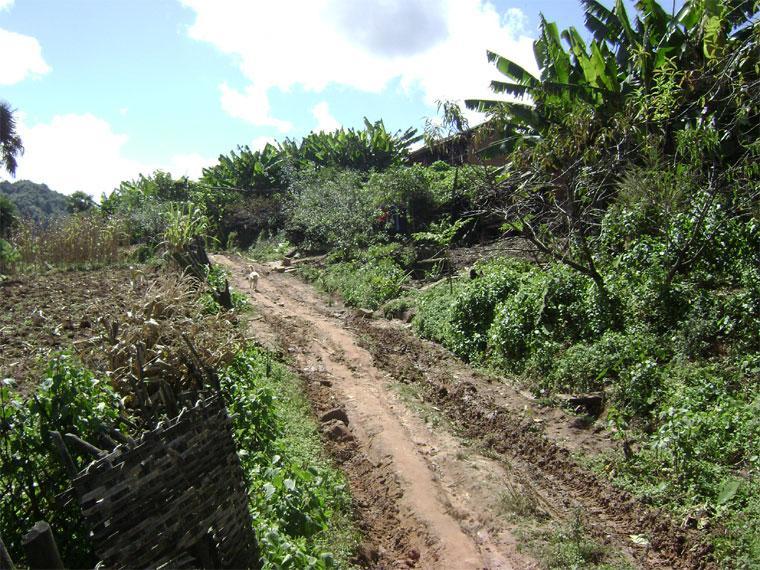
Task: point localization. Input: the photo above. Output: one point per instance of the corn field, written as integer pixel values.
(72, 241)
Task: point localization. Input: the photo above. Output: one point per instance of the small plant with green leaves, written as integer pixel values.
(217, 279)
(183, 225)
(299, 500)
(8, 258)
(70, 400)
(269, 248)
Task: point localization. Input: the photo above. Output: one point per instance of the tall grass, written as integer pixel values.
(78, 240)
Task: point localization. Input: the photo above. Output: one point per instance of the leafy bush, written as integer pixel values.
(329, 209)
(69, 400)
(299, 500)
(395, 308)
(366, 284)
(217, 278)
(593, 366)
(473, 308)
(408, 190)
(8, 257)
(702, 456)
(434, 306)
(269, 248)
(551, 305)
(458, 190)
(183, 224)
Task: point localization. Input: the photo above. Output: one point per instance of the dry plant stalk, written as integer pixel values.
(163, 346)
(74, 240)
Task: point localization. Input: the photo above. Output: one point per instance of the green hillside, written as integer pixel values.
(34, 201)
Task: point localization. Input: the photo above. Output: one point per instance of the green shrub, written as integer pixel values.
(395, 308)
(548, 305)
(269, 248)
(299, 501)
(434, 305)
(473, 308)
(720, 322)
(69, 400)
(366, 284)
(458, 189)
(216, 278)
(593, 366)
(406, 188)
(706, 419)
(8, 257)
(402, 255)
(329, 209)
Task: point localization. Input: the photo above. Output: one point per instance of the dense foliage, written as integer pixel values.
(10, 142)
(629, 165)
(35, 202)
(632, 174)
(635, 176)
(299, 500)
(70, 399)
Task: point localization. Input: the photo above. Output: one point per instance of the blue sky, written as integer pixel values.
(106, 89)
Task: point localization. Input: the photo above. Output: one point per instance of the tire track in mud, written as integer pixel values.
(423, 500)
(470, 400)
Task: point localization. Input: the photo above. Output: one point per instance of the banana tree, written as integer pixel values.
(246, 171)
(373, 147)
(581, 73)
(620, 61)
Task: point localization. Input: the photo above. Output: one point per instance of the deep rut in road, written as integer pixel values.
(424, 497)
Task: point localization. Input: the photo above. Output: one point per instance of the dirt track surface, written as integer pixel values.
(425, 497)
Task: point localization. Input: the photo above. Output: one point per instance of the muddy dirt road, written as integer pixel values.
(431, 467)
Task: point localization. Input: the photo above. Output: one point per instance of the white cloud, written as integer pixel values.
(252, 106)
(259, 143)
(5, 5)
(516, 20)
(398, 27)
(190, 165)
(82, 152)
(325, 121)
(437, 46)
(24, 57)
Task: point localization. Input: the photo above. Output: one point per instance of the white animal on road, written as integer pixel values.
(253, 278)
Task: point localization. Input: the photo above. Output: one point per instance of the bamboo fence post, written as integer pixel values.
(5, 558)
(41, 549)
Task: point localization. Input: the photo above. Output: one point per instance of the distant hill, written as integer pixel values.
(34, 201)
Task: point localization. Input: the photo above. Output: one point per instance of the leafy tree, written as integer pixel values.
(79, 202)
(372, 148)
(10, 142)
(8, 216)
(620, 62)
(246, 171)
(660, 85)
(35, 202)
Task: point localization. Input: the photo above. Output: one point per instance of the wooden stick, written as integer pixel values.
(68, 462)
(121, 438)
(83, 446)
(5, 559)
(41, 549)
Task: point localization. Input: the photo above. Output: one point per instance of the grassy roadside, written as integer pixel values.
(686, 417)
(299, 501)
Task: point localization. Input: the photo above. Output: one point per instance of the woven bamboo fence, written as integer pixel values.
(175, 499)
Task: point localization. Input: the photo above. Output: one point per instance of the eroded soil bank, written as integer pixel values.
(429, 494)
